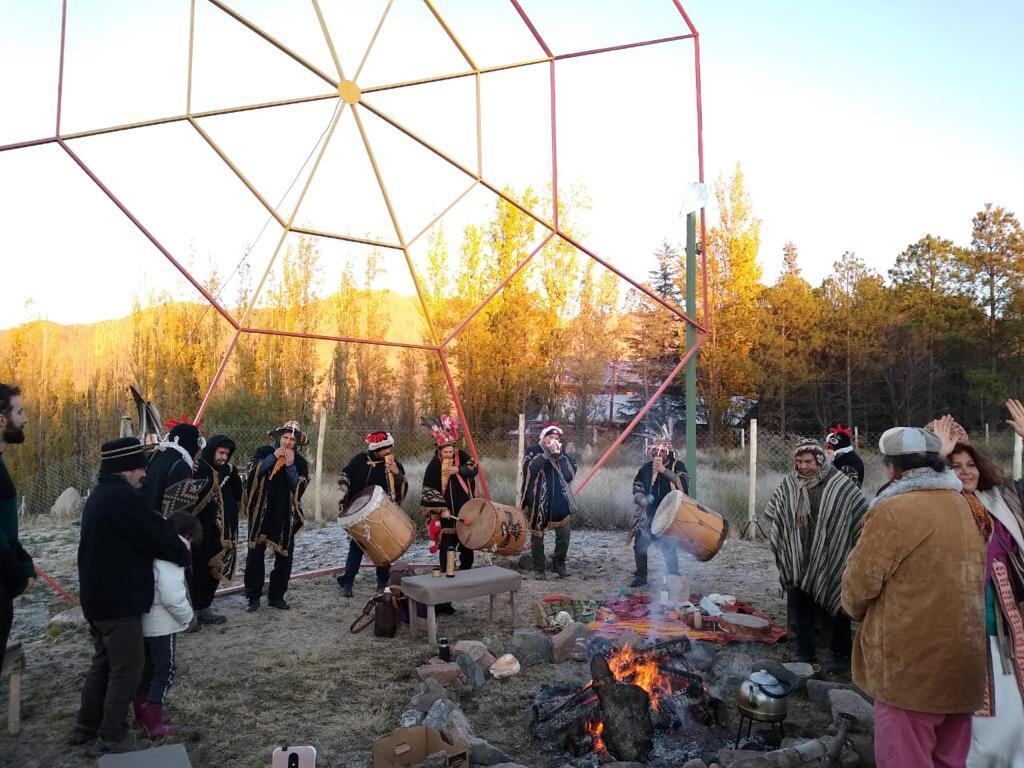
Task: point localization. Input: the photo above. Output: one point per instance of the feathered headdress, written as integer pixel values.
(661, 439)
(377, 440)
(444, 429)
(547, 428)
(839, 437)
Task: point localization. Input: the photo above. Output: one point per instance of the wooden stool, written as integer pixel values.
(10, 670)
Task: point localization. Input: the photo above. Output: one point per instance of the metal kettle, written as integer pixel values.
(762, 697)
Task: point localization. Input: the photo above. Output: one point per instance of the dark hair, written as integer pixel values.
(910, 461)
(187, 525)
(989, 475)
(7, 393)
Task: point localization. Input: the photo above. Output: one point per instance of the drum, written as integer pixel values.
(378, 525)
(491, 527)
(694, 527)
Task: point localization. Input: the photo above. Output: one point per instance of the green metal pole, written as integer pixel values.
(691, 339)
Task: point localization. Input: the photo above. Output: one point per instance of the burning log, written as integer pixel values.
(626, 727)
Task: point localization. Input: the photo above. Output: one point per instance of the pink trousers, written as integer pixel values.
(906, 739)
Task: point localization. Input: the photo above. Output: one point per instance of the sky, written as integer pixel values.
(859, 127)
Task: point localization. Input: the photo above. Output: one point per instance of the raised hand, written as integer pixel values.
(1016, 419)
(943, 429)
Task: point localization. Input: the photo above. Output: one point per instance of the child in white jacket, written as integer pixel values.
(170, 614)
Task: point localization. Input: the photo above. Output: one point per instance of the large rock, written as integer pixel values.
(818, 692)
(72, 617)
(474, 675)
(410, 718)
(68, 505)
(495, 646)
(444, 672)
(851, 703)
(429, 691)
(531, 646)
(477, 651)
(439, 712)
(571, 643)
(484, 753)
(457, 727)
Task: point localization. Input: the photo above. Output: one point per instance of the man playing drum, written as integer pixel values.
(663, 473)
(377, 465)
(449, 481)
(548, 501)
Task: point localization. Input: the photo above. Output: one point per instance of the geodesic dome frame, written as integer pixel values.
(348, 94)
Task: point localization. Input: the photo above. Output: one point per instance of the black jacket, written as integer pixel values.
(851, 465)
(121, 536)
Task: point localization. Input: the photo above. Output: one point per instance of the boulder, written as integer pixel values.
(438, 715)
(695, 763)
(506, 666)
(818, 691)
(457, 727)
(531, 646)
(495, 646)
(477, 651)
(474, 675)
(72, 617)
(571, 643)
(429, 691)
(851, 703)
(410, 718)
(444, 672)
(484, 753)
(68, 505)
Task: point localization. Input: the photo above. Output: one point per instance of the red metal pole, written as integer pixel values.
(312, 574)
(533, 29)
(623, 47)
(149, 235)
(637, 419)
(462, 419)
(346, 339)
(216, 377)
(554, 149)
(57, 587)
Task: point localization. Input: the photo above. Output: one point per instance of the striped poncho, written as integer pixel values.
(815, 564)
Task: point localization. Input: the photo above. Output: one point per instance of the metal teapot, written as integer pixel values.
(762, 697)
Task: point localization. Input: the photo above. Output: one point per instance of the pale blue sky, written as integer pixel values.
(859, 126)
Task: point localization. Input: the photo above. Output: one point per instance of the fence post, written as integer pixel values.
(986, 433)
(752, 486)
(1018, 445)
(743, 438)
(126, 426)
(317, 511)
(520, 455)
(856, 438)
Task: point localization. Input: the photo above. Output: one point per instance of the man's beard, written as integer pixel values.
(14, 436)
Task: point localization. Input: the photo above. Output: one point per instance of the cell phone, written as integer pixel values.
(294, 757)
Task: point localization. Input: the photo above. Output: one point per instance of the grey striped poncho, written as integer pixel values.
(818, 572)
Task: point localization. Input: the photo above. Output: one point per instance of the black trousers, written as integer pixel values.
(159, 668)
(352, 562)
(448, 540)
(113, 677)
(642, 543)
(807, 613)
(201, 584)
(6, 620)
(255, 572)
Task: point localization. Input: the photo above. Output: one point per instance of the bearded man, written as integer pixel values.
(17, 572)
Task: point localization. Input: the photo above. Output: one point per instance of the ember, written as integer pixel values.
(595, 729)
(626, 667)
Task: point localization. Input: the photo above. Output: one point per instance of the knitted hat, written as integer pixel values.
(377, 440)
(549, 429)
(839, 437)
(807, 445)
(903, 441)
(293, 428)
(187, 436)
(122, 455)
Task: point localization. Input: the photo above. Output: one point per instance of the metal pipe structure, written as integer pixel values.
(349, 94)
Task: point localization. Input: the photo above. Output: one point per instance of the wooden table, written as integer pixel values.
(476, 582)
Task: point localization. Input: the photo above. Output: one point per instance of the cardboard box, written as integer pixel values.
(408, 746)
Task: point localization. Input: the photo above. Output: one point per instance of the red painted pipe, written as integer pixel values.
(311, 574)
(57, 587)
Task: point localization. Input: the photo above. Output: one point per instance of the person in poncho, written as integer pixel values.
(449, 481)
(172, 483)
(215, 556)
(654, 480)
(278, 476)
(375, 466)
(840, 450)
(814, 519)
(548, 501)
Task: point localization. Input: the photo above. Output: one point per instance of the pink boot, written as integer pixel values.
(137, 702)
(154, 726)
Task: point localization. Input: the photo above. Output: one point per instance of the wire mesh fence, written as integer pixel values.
(721, 478)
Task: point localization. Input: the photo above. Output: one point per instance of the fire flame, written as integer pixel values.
(595, 730)
(644, 673)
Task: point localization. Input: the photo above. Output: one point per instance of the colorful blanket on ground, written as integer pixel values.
(634, 612)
